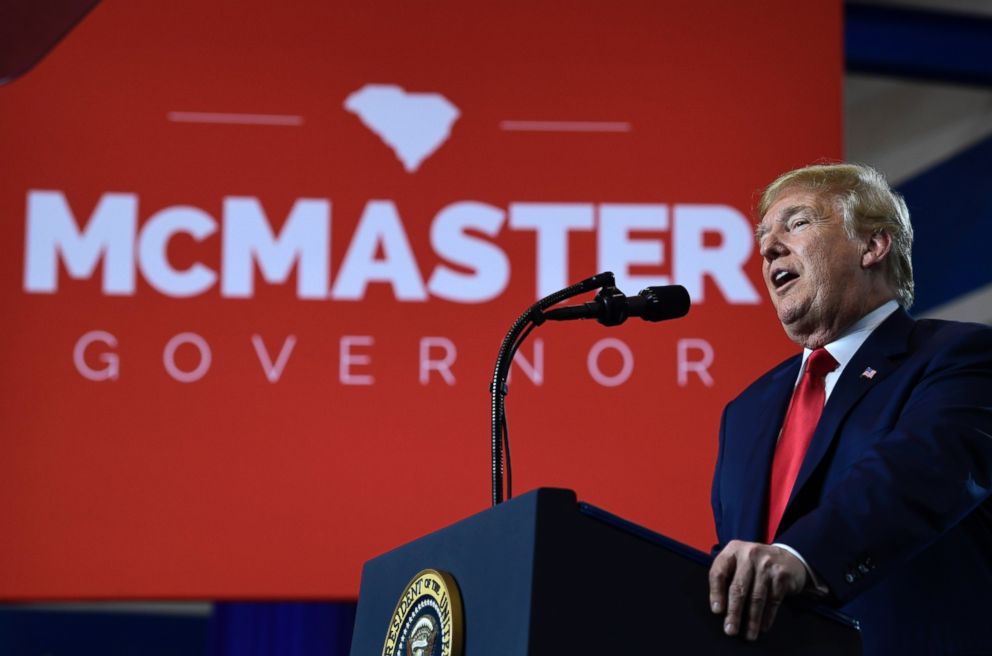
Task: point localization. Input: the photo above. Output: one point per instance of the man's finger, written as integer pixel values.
(720, 572)
(778, 589)
(756, 606)
(739, 589)
(771, 610)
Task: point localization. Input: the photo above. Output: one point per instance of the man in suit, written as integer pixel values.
(860, 470)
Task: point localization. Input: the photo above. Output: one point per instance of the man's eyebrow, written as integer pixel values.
(761, 229)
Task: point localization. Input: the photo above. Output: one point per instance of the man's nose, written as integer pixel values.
(771, 247)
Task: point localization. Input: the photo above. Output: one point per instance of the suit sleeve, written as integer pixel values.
(930, 472)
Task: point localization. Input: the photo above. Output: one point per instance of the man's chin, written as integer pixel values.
(790, 316)
(794, 322)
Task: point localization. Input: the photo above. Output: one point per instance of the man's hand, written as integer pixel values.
(755, 574)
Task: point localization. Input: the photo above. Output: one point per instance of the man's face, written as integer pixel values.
(811, 267)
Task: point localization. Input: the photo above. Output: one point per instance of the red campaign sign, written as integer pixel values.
(260, 262)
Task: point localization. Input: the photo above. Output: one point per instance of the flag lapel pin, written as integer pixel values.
(868, 373)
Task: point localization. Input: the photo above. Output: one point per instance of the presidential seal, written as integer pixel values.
(428, 618)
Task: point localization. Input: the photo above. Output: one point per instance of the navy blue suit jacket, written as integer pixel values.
(892, 506)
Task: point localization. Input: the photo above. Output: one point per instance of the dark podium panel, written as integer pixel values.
(544, 575)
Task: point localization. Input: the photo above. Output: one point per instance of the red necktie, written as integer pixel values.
(797, 432)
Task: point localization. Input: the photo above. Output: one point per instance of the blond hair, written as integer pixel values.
(868, 206)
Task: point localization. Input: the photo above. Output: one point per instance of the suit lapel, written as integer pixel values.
(879, 354)
(767, 425)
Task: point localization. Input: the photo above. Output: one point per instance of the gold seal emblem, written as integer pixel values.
(427, 620)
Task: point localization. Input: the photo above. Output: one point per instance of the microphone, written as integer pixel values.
(611, 307)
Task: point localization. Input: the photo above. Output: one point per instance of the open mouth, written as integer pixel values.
(782, 277)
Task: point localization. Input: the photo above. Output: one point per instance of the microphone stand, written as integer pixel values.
(527, 321)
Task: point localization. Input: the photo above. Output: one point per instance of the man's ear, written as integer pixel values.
(876, 248)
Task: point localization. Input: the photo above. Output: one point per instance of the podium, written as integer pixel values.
(545, 575)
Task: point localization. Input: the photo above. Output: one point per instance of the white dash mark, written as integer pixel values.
(235, 119)
(565, 126)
